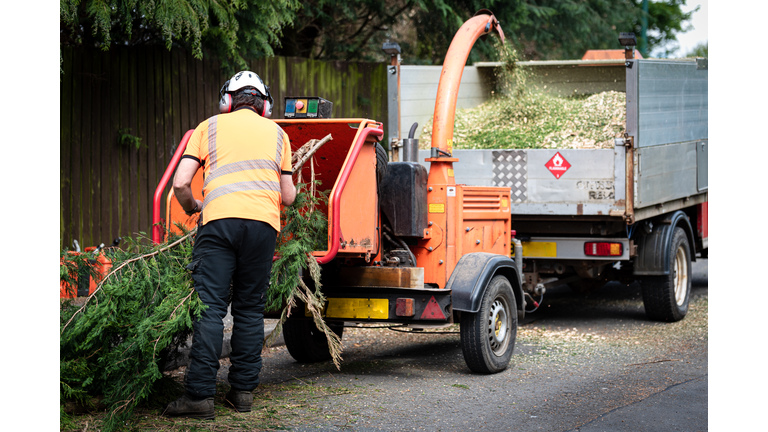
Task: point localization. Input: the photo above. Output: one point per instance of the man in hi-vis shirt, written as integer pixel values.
(246, 161)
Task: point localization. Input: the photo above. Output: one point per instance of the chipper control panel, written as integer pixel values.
(307, 107)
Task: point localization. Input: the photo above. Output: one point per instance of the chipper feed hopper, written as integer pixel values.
(405, 246)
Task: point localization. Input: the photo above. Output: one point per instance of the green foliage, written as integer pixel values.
(541, 29)
(75, 267)
(553, 29)
(305, 230)
(700, 50)
(352, 30)
(124, 137)
(116, 345)
(118, 342)
(232, 30)
(237, 30)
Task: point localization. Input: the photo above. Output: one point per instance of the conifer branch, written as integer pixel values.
(123, 264)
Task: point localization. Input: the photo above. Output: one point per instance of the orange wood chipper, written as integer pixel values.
(405, 246)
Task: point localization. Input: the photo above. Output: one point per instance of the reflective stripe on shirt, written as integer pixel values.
(245, 165)
(212, 142)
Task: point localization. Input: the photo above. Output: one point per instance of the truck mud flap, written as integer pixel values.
(653, 248)
(472, 274)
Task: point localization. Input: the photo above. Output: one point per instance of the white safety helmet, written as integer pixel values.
(245, 79)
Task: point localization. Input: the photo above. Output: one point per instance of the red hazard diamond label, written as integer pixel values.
(557, 165)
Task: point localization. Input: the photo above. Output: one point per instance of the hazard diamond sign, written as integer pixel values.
(557, 165)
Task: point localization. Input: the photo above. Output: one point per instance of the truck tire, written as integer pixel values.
(488, 336)
(381, 164)
(666, 297)
(305, 342)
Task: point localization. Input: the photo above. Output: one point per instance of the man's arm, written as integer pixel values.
(287, 189)
(182, 185)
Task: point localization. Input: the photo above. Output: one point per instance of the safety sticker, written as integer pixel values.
(557, 165)
(437, 208)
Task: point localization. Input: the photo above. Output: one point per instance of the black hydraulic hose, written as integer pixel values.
(400, 242)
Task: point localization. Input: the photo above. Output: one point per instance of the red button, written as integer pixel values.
(299, 105)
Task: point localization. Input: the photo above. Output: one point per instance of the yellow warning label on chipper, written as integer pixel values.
(357, 308)
(437, 208)
(537, 249)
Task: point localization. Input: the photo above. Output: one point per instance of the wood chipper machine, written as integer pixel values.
(405, 246)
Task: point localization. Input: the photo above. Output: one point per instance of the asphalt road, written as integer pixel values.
(581, 363)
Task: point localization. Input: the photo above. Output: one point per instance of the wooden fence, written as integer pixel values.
(108, 99)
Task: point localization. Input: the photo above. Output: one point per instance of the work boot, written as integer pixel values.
(190, 408)
(240, 400)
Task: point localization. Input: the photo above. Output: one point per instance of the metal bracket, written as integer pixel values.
(436, 153)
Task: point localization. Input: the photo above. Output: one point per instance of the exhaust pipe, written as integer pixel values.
(411, 146)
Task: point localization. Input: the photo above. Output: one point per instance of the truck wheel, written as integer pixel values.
(488, 336)
(305, 342)
(666, 297)
(381, 163)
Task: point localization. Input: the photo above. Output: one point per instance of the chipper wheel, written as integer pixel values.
(381, 163)
(666, 297)
(305, 342)
(488, 336)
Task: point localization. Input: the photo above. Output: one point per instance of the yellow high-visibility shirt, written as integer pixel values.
(243, 156)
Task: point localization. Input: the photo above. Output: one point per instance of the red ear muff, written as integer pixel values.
(225, 103)
(267, 111)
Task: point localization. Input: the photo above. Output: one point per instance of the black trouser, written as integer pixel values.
(240, 251)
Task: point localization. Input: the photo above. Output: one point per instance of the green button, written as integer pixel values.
(312, 106)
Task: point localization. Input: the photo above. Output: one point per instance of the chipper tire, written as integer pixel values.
(666, 297)
(305, 342)
(488, 336)
(381, 163)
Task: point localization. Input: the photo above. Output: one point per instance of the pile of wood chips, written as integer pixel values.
(539, 121)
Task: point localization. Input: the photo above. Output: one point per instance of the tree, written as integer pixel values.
(700, 50)
(557, 29)
(232, 30)
(352, 29)
(541, 29)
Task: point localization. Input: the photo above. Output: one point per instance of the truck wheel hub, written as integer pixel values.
(681, 276)
(498, 326)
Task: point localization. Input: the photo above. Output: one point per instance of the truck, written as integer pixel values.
(634, 212)
(410, 246)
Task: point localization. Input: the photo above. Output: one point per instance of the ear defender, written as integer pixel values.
(225, 102)
(268, 102)
(249, 79)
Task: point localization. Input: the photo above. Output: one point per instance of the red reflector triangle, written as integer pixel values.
(433, 311)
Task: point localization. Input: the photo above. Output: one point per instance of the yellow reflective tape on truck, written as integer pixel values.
(537, 249)
(355, 308)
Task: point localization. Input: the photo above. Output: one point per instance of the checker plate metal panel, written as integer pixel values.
(510, 169)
